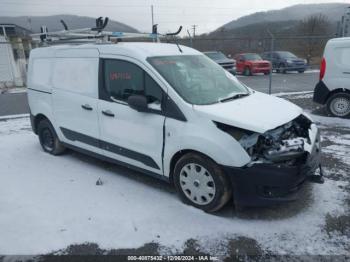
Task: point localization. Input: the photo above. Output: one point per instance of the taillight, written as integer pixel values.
(323, 69)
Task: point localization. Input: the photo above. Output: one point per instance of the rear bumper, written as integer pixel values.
(271, 184)
(321, 93)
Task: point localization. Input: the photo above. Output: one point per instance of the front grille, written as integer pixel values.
(227, 65)
(263, 65)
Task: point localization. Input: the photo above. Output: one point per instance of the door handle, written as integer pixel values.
(86, 107)
(108, 113)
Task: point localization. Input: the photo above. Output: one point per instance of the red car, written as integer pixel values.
(249, 64)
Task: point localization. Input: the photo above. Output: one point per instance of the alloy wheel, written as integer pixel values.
(340, 106)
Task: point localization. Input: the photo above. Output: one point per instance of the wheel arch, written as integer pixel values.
(336, 91)
(177, 156)
(36, 120)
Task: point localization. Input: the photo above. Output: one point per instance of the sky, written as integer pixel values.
(207, 15)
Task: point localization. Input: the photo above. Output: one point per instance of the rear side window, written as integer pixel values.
(123, 78)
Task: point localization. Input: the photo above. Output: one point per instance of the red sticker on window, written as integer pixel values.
(120, 76)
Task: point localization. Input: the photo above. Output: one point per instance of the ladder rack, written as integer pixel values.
(94, 34)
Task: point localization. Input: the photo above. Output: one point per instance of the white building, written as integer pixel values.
(15, 45)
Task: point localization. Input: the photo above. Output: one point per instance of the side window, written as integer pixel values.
(153, 91)
(122, 79)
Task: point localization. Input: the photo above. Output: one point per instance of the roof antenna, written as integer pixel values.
(64, 25)
(175, 39)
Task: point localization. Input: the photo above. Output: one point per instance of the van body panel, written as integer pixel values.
(74, 96)
(257, 112)
(130, 136)
(202, 136)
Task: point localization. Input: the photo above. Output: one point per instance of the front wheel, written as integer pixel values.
(247, 71)
(48, 138)
(338, 105)
(200, 182)
(282, 69)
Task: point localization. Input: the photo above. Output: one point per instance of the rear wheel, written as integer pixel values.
(339, 105)
(48, 138)
(201, 183)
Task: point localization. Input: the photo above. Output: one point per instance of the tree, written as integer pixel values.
(313, 30)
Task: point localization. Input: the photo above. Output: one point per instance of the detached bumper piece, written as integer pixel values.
(318, 179)
(270, 184)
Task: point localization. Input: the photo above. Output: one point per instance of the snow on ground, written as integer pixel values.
(295, 95)
(48, 203)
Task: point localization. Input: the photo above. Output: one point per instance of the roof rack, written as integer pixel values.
(94, 34)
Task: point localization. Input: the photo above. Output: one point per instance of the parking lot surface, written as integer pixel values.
(52, 205)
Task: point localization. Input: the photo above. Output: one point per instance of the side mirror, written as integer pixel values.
(138, 102)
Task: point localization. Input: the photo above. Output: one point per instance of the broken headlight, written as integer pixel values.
(282, 144)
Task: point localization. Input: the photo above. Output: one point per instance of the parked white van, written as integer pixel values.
(333, 89)
(171, 112)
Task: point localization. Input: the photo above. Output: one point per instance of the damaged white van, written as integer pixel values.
(171, 112)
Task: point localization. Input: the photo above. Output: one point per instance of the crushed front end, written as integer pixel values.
(282, 160)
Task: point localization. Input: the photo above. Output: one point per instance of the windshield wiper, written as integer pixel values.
(236, 96)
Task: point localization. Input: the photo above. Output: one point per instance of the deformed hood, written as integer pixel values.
(257, 112)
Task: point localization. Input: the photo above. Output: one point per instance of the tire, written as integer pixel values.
(282, 69)
(247, 71)
(266, 73)
(301, 71)
(338, 105)
(48, 138)
(206, 187)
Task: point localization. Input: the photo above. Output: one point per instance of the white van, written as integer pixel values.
(333, 89)
(175, 114)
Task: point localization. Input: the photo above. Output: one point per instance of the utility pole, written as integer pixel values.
(271, 69)
(152, 16)
(194, 30)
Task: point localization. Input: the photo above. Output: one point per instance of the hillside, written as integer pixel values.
(296, 12)
(53, 22)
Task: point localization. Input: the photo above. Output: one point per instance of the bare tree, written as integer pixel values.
(311, 30)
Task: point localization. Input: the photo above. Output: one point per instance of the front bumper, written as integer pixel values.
(232, 70)
(270, 184)
(296, 67)
(256, 70)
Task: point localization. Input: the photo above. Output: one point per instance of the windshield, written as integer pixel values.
(252, 57)
(197, 79)
(286, 55)
(216, 55)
